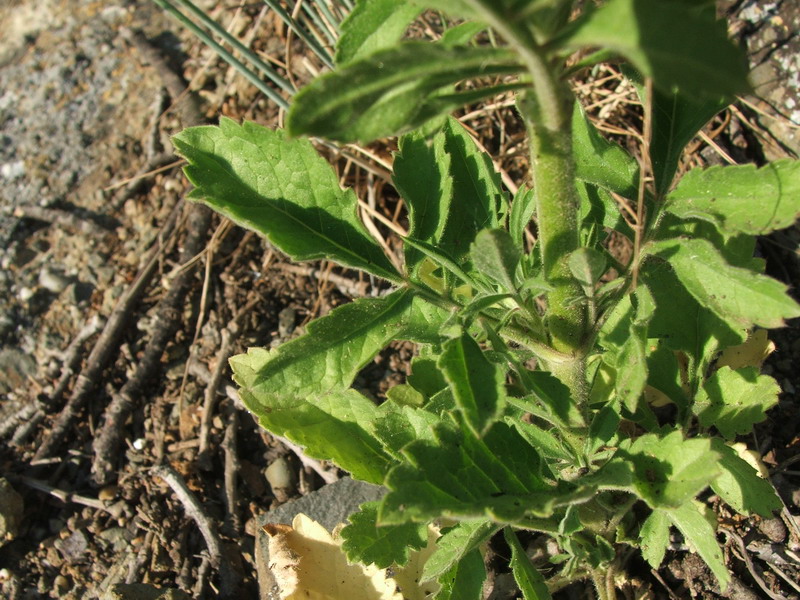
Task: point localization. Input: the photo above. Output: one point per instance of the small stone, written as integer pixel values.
(774, 529)
(53, 280)
(108, 493)
(11, 507)
(280, 476)
(61, 585)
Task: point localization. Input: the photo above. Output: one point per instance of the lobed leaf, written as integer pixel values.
(666, 471)
(477, 384)
(530, 581)
(734, 401)
(682, 323)
(365, 542)
(738, 296)
(741, 487)
(699, 533)
(740, 199)
(460, 475)
(599, 161)
(654, 537)
(281, 189)
(495, 255)
(373, 25)
(454, 544)
(677, 46)
(337, 346)
(464, 580)
(390, 91)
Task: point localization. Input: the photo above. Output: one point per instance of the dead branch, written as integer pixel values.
(106, 345)
(106, 445)
(194, 510)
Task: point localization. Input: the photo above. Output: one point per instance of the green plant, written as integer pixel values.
(532, 403)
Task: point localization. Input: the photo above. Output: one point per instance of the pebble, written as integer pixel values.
(774, 529)
(53, 280)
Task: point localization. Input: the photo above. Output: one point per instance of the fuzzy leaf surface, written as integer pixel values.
(740, 198)
(460, 475)
(281, 189)
(477, 384)
(371, 26)
(740, 485)
(464, 580)
(676, 119)
(454, 544)
(734, 401)
(698, 332)
(451, 189)
(678, 46)
(366, 542)
(739, 296)
(654, 537)
(421, 175)
(701, 535)
(530, 581)
(600, 161)
(338, 345)
(666, 471)
(389, 91)
(495, 255)
(311, 422)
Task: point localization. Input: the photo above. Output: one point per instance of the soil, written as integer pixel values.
(114, 292)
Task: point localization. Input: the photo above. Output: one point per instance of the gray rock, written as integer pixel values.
(10, 511)
(328, 506)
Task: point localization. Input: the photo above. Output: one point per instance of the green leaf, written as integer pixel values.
(454, 544)
(734, 401)
(398, 426)
(522, 208)
(599, 161)
(364, 541)
(530, 581)
(667, 471)
(682, 323)
(587, 266)
(631, 363)
(337, 346)
(464, 580)
(460, 475)
(426, 376)
(345, 416)
(739, 296)
(654, 537)
(479, 201)
(495, 255)
(541, 439)
(373, 25)
(452, 191)
(550, 400)
(405, 395)
(740, 198)
(281, 189)
(700, 534)
(385, 93)
(676, 119)
(421, 171)
(676, 45)
(741, 487)
(478, 385)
